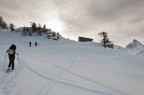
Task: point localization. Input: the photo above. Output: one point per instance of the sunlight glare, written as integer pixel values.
(55, 24)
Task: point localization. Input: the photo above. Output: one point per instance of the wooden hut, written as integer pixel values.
(84, 39)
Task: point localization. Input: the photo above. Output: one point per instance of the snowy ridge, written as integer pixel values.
(119, 48)
(66, 67)
(135, 48)
(134, 44)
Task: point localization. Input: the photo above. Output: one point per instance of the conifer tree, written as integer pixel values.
(39, 30)
(105, 41)
(33, 27)
(1, 21)
(3, 24)
(24, 31)
(44, 27)
(11, 27)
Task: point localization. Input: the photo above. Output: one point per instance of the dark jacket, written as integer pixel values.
(11, 56)
(12, 52)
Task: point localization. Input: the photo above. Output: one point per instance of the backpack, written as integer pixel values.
(10, 51)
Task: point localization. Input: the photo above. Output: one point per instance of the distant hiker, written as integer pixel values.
(29, 44)
(36, 44)
(11, 52)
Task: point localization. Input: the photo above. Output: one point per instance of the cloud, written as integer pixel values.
(122, 19)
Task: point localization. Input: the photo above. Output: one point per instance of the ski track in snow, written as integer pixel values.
(8, 80)
(46, 89)
(53, 81)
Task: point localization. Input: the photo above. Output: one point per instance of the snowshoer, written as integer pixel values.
(29, 44)
(11, 52)
(36, 44)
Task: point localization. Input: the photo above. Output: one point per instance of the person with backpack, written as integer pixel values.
(11, 52)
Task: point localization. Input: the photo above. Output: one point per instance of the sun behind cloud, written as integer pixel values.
(54, 22)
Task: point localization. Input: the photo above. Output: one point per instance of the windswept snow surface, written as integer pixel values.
(65, 67)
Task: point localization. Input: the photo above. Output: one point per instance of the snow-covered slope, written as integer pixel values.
(119, 48)
(66, 67)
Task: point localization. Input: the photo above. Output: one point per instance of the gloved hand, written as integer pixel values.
(7, 51)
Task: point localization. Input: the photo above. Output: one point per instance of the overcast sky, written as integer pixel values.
(123, 20)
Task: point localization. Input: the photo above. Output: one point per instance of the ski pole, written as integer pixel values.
(5, 59)
(19, 62)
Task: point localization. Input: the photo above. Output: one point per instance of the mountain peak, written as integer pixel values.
(134, 44)
(135, 41)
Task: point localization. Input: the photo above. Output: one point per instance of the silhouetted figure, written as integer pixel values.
(29, 44)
